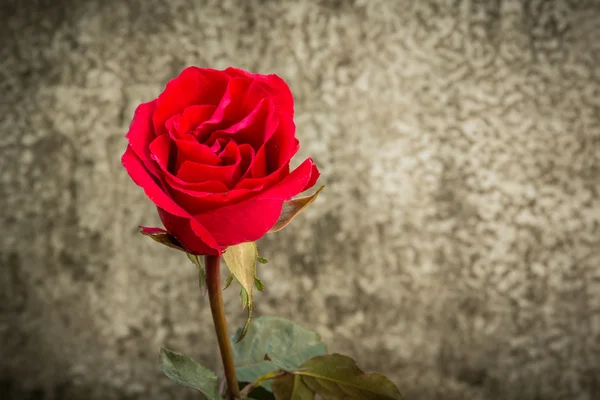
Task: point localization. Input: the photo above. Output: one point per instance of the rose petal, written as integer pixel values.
(141, 131)
(277, 88)
(258, 169)
(230, 154)
(247, 157)
(194, 86)
(142, 178)
(296, 182)
(160, 149)
(281, 94)
(196, 189)
(237, 73)
(227, 111)
(193, 116)
(202, 201)
(283, 145)
(249, 220)
(314, 176)
(164, 153)
(254, 95)
(265, 182)
(196, 240)
(228, 170)
(195, 152)
(193, 172)
(256, 128)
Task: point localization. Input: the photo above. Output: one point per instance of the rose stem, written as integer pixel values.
(213, 283)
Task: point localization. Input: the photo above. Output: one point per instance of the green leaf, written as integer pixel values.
(259, 284)
(228, 281)
(183, 370)
(292, 208)
(281, 352)
(335, 376)
(284, 341)
(291, 387)
(241, 261)
(198, 261)
(262, 260)
(250, 373)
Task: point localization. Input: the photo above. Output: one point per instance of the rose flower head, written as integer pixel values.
(212, 152)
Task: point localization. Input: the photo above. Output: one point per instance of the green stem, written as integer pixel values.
(213, 282)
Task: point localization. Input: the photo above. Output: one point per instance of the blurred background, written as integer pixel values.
(456, 247)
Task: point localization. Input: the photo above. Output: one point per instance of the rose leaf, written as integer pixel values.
(291, 387)
(272, 344)
(182, 370)
(338, 376)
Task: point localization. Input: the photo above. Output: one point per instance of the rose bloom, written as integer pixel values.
(213, 152)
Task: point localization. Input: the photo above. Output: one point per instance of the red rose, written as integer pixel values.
(213, 151)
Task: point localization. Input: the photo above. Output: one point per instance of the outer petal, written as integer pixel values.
(194, 86)
(197, 240)
(142, 178)
(277, 88)
(249, 220)
(176, 219)
(314, 175)
(141, 131)
(283, 144)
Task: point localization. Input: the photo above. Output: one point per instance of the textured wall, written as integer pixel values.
(455, 248)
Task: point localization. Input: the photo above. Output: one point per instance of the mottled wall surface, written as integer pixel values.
(456, 246)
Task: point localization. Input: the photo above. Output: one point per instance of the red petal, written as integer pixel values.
(228, 109)
(196, 189)
(265, 182)
(142, 178)
(193, 172)
(201, 201)
(281, 94)
(314, 175)
(256, 128)
(193, 116)
(296, 182)
(237, 73)
(160, 150)
(258, 169)
(228, 172)
(141, 130)
(247, 157)
(197, 240)
(277, 88)
(194, 86)
(188, 150)
(230, 154)
(283, 145)
(249, 220)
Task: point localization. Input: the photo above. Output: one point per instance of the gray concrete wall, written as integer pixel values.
(455, 247)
